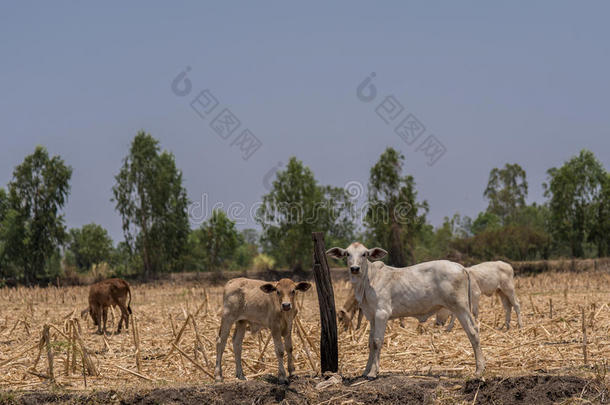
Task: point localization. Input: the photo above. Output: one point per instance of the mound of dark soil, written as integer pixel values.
(387, 389)
(534, 389)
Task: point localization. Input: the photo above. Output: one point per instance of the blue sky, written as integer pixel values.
(519, 82)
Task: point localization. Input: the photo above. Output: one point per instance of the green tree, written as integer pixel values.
(600, 232)
(486, 221)
(121, 260)
(152, 202)
(336, 216)
(506, 191)
(248, 250)
(90, 245)
(575, 193)
(219, 239)
(250, 236)
(33, 226)
(4, 204)
(534, 215)
(394, 216)
(512, 242)
(295, 207)
(4, 209)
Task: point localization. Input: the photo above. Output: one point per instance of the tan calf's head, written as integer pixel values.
(285, 290)
(356, 255)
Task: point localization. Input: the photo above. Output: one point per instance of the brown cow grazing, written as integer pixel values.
(105, 293)
(260, 305)
(348, 310)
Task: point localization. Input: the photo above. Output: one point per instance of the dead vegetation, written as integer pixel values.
(171, 342)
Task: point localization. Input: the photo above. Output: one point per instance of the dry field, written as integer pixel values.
(171, 354)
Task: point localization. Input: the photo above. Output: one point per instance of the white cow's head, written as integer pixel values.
(357, 255)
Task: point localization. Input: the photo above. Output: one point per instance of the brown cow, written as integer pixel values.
(348, 310)
(105, 293)
(260, 305)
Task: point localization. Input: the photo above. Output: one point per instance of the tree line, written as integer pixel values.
(149, 196)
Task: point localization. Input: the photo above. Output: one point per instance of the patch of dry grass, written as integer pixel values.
(176, 327)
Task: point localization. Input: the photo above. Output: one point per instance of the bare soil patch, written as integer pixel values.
(387, 389)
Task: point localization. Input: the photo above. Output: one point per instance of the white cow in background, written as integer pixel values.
(490, 277)
(385, 292)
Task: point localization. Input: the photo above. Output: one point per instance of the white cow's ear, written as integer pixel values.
(303, 286)
(376, 253)
(268, 288)
(336, 252)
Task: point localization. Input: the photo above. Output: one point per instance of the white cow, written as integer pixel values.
(490, 277)
(420, 291)
(261, 305)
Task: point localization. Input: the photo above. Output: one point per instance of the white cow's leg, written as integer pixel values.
(279, 352)
(507, 308)
(369, 363)
(515, 304)
(221, 341)
(476, 298)
(238, 338)
(381, 321)
(471, 330)
(288, 345)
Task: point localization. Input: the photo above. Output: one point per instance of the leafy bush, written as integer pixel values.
(510, 242)
(263, 262)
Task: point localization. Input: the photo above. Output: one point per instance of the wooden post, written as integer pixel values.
(329, 352)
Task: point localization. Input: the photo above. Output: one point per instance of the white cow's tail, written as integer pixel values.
(469, 290)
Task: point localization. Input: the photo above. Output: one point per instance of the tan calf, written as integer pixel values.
(260, 305)
(102, 295)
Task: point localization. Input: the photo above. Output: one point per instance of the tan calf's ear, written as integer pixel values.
(376, 253)
(336, 252)
(303, 286)
(84, 313)
(268, 288)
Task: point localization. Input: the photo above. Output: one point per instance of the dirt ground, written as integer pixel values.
(387, 389)
(541, 363)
